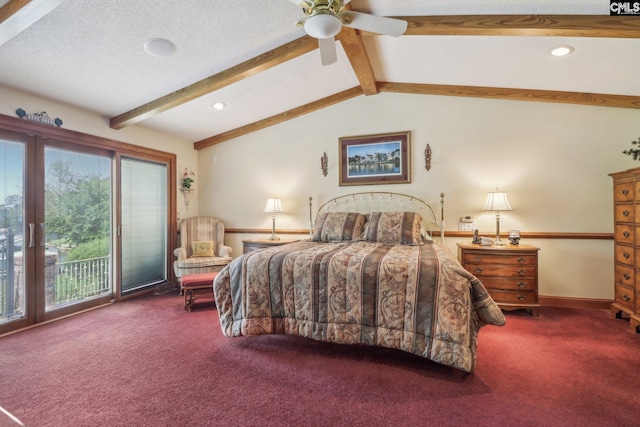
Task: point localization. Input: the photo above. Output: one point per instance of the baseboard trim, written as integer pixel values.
(568, 302)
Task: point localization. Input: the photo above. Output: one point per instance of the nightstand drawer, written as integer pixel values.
(497, 270)
(514, 297)
(509, 283)
(512, 259)
(625, 296)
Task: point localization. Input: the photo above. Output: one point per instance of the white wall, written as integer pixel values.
(552, 159)
(94, 124)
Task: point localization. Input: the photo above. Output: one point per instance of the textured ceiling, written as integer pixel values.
(89, 53)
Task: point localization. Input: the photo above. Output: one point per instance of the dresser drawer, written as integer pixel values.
(496, 270)
(528, 284)
(623, 191)
(625, 233)
(624, 254)
(625, 296)
(625, 274)
(513, 297)
(624, 212)
(512, 259)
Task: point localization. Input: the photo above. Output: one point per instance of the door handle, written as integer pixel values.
(42, 233)
(31, 229)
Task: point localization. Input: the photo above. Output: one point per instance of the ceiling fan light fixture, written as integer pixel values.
(322, 26)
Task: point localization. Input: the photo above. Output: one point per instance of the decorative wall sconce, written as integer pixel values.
(324, 164)
(427, 158)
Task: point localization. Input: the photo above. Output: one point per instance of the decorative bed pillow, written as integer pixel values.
(204, 248)
(398, 228)
(338, 226)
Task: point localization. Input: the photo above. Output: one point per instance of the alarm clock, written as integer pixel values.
(514, 237)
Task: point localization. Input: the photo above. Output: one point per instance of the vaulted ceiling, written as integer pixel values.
(251, 56)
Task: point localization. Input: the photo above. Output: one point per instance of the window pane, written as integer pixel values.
(144, 223)
(77, 227)
(12, 290)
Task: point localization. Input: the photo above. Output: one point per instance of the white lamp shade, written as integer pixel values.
(274, 205)
(497, 201)
(322, 26)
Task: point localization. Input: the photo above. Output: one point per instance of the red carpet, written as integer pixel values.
(147, 362)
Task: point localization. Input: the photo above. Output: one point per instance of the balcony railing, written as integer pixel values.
(78, 280)
(65, 283)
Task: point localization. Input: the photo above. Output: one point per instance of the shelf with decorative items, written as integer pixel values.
(186, 182)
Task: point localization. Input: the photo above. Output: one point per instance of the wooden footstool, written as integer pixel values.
(196, 285)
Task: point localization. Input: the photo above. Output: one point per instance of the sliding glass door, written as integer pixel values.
(12, 231)
(76, 233)
(83, 221)
(144, 223)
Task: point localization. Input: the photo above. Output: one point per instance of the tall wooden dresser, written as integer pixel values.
(626, 211)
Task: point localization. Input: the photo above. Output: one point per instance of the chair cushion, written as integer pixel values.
(198, 279)
(202, 261)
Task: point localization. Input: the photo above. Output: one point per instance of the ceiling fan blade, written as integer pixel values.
(328, 54)
(374, 24)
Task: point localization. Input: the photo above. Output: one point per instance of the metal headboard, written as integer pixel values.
(384, 202)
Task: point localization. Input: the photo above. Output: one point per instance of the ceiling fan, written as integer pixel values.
(325, 19)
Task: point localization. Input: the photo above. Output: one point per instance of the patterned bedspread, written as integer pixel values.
(417, 299)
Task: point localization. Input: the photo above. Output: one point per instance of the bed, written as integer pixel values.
(374, 271)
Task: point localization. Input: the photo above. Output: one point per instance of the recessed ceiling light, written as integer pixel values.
(562, 51)
(160, 47)
(218, 105)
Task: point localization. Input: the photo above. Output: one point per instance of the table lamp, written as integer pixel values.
(274, 206)
(497, 201)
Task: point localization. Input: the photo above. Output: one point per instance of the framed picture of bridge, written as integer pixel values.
(375, 159)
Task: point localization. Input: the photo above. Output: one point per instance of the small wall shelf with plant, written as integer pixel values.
(187, 180)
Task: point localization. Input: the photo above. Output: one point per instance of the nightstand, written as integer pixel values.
(255, 244)
(509, 273)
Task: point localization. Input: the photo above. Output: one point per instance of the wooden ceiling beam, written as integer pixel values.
(524, 25)
(354, 48)
(280, 118)
(227, 77)
(18, 15)
(581, 98)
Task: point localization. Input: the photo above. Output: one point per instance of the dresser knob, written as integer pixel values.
(522, 297)
(521, 272)
(522, 260)
(626, 276)
(626, 212)
(626, 234)
(521, 285)
(477, 258)
(626, 255)
(626, 297)
(625, 191)
(478, 270)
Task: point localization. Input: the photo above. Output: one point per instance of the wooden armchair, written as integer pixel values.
(202, 248)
